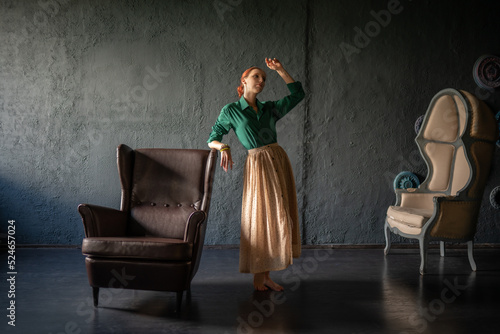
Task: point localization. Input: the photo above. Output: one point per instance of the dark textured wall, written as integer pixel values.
(77, 78)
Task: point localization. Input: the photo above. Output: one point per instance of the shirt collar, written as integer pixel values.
(244, 103)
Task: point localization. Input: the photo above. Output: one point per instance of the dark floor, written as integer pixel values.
(327, 291)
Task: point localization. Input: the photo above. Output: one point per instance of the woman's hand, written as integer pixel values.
(226, 161)
(274, 64)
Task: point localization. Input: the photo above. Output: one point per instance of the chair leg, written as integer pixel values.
(179, 300)
(387, 238)
(188, 296)
(441, 248)
(423, 255)
(470, 251)
(95, 294)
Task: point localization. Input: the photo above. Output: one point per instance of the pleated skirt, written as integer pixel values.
(270, 233)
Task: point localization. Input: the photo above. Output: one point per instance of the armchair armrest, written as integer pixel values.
(192, 226)
(195, 234)
(400, 193)
(456, 218)
(417, 198)
(100, 221)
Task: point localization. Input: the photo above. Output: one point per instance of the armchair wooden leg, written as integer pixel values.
(470, 251)
(95, 294)
(441, 248)
(179, 300)
(387, 238)
(188, 296)
(423, 255)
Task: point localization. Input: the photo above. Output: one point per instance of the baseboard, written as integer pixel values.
(375, 246)
(327, 246)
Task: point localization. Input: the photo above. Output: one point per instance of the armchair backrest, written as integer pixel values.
(162, 187)
(456, 140)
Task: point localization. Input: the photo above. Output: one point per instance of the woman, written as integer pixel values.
(270, 235)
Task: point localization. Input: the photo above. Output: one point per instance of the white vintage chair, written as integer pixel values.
(457, 141)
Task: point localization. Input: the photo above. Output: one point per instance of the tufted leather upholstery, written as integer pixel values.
(156, 238)
(457, 141)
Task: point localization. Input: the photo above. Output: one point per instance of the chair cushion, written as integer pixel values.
(408, 220)
(138, 248)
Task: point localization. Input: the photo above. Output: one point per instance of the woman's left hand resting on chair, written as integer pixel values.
(226, 161)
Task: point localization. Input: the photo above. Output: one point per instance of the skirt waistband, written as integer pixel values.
(262, 148)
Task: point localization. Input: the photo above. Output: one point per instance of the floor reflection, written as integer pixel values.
(431, 303)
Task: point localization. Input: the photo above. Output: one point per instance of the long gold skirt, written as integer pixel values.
(270, 233)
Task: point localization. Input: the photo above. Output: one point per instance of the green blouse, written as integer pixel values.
(255, 129)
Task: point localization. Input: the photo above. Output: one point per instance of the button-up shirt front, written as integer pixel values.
(255, 129)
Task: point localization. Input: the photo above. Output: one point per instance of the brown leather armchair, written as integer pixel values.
(457, 142)
(155, 241)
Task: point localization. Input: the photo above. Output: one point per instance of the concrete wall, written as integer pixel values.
(77, 78)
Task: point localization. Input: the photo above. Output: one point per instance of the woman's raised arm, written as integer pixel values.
(274, 64)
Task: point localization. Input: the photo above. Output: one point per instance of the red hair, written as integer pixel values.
(245, 74)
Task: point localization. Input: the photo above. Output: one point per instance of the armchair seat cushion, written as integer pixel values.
(408, 220)
(148, 248)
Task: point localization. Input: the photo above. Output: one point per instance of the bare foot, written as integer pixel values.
(259, 282)
(271, 284)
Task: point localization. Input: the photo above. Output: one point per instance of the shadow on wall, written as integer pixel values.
(39, 218)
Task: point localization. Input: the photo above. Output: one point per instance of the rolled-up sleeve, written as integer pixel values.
(287, 103)
(220, 128)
